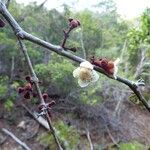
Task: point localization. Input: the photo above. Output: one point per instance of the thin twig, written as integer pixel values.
(59, 50)
(36, 83)
(89, 139)
(66, 36)
(16, 139)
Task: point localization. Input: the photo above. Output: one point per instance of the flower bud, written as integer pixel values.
(73, 23)
(110, 64)
(41, 107)
(45, 96)
(104, 63)
(34, 94)
(28, 86)
(28, 78)
(27, 95)
(20, 90)
(52, 103)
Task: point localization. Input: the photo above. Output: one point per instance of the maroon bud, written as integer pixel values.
(45, 96)
(2, 23)
(52, 103)
(27, 95)
(20, 90)
(97, 63)
(28, 78)
(104, 63)
(34, 94)
(70, 19)
(28, 86)
(92, 59)
(74, 23)
(41, 107)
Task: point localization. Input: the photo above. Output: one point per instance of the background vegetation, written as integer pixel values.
(102, 34)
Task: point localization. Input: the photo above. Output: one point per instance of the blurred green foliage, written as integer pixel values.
(58, 71)
(132, 146)
(67, 134)
(3, 85)
(8, 105)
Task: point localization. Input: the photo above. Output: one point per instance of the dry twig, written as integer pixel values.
(36, 83)
(16, 139)
(89, 139)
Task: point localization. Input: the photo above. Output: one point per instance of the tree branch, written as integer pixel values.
(39, 119)
(36, 82)
(16, 139)
(59, 50)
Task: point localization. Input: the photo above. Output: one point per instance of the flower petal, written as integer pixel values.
(83, 83)
(76, 72)
(95, 76)
(115, 72)
(116, 62)
(86, 64)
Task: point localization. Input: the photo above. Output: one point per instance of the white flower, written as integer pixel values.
(85, 74)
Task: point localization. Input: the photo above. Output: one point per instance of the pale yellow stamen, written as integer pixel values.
(85, 74)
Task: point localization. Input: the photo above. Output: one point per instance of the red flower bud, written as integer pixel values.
(34, 94)
(110, 65)
(27, 95)
(97, 63)
(41, 107)
(73, 23)
(28, 86)
(28, 78)
(2, 23)
(20, 90)
(70, 19)
(52, 103)
(104, 63)
(45, 96)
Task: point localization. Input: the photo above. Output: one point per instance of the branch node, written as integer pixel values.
(139, 82)
(20, 34)
(35, 79)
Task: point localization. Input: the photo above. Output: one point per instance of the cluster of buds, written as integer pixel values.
(27, 90)
(46, 107)
(2, 23)
(73, 23)
(110, 67)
